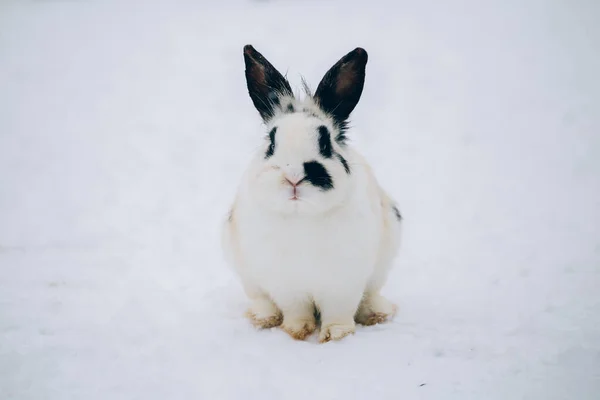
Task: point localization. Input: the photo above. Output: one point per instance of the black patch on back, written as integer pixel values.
(397, 213)
(271, 148)
(344, 163)
(290, 109)
(325, 142)
(317, 175)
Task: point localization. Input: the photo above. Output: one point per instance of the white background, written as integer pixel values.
(124, 128)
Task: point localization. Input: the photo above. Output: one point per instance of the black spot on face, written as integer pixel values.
(317, 175)
(344, 163)
(290, 108)
(325, 142)
(397, 213)
(271, 148)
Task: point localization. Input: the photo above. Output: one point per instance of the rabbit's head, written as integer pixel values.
(303, 165)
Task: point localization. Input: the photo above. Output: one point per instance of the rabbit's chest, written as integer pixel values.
(303, 253)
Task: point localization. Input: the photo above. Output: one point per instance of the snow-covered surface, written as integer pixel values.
(124, 128)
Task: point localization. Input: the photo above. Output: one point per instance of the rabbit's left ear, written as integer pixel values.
(265, 83)
(341, 87)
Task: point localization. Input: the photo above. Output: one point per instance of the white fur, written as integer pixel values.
(330, 250)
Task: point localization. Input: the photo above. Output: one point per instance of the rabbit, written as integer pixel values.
(310, 233)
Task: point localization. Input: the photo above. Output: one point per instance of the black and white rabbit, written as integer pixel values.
(310, 227)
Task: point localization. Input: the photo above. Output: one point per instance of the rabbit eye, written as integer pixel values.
(325, 142)
(271, 148)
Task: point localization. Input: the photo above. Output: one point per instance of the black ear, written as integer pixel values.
(265, 83)
(341, 87)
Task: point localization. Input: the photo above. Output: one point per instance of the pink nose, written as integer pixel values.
(294, 182)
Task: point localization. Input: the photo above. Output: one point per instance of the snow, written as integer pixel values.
(124, 128)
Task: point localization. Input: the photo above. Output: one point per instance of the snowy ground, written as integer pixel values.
(124, 128)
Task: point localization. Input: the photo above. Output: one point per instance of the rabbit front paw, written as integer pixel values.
(299, 329)
(264, 314)
(335, 332)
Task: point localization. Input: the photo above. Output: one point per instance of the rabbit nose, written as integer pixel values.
(294, 175)
(294, 181)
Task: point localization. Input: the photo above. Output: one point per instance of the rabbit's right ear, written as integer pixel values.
(265, 83)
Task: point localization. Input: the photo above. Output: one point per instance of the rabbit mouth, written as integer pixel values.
(295, 189)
